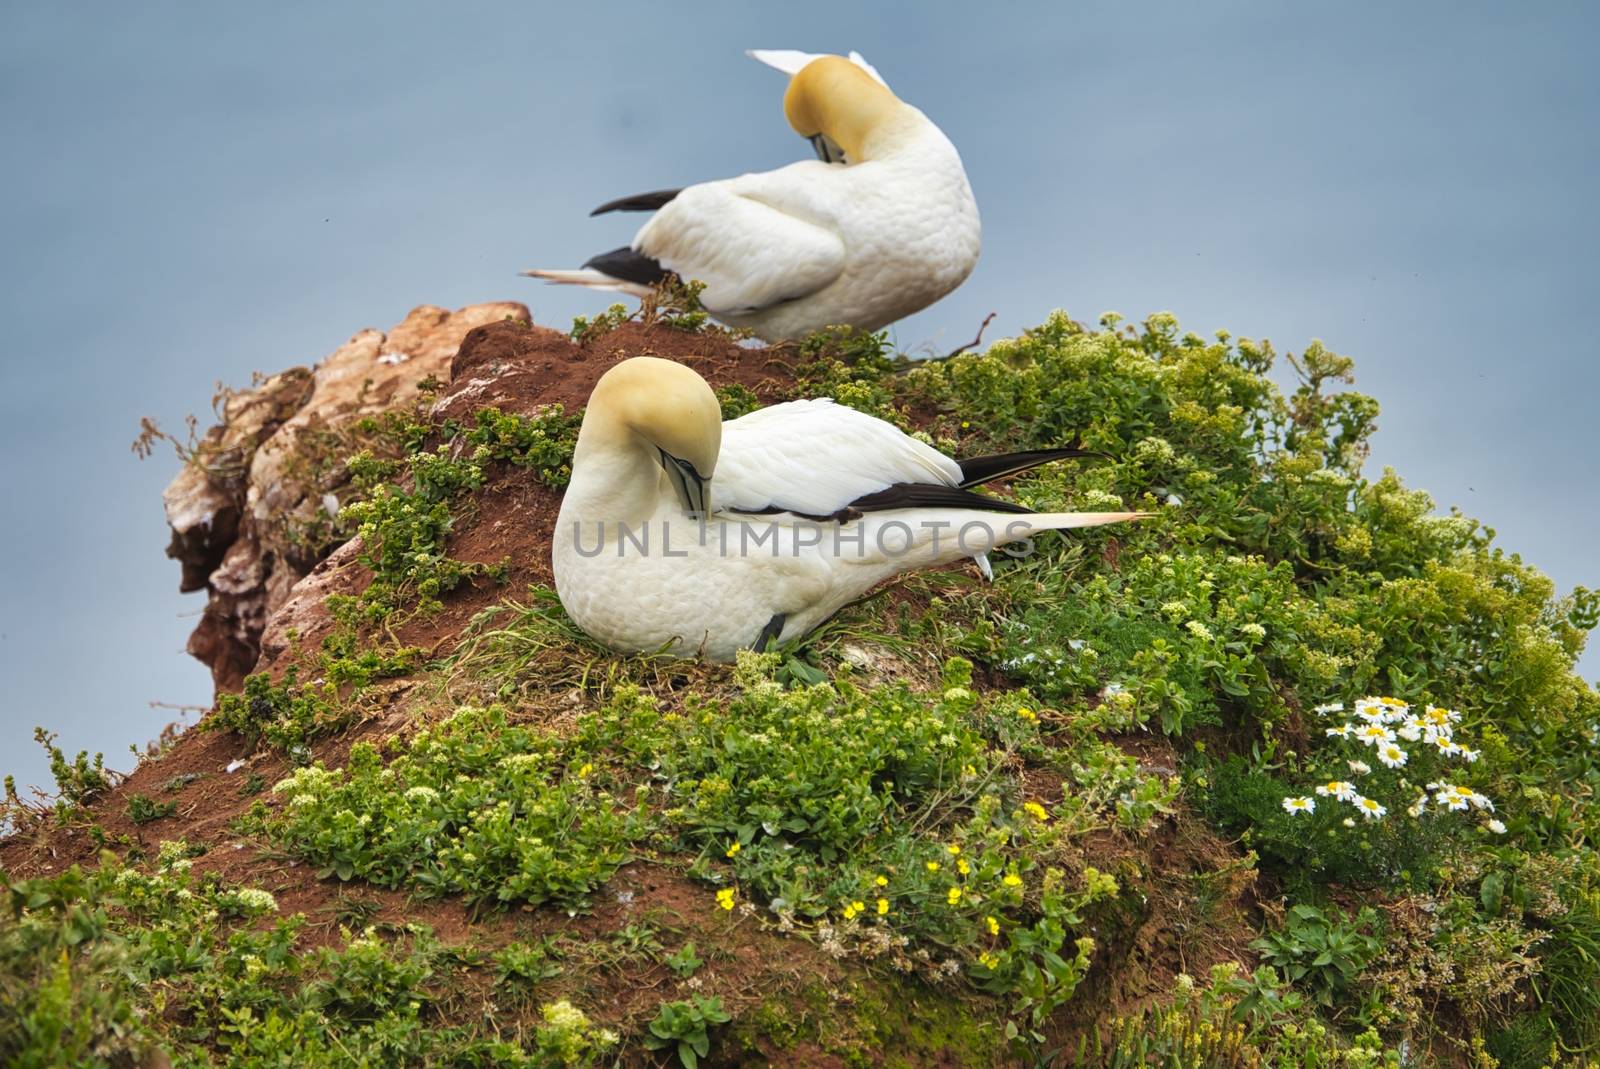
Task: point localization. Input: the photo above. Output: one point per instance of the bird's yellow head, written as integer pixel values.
(668, 410)
(834, 98)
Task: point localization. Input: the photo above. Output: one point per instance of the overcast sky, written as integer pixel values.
(195, 192)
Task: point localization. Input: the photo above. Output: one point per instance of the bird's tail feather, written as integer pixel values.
(588, 276)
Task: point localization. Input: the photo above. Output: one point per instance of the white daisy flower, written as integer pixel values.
(1370, 808)
(1411, 730)
(1343, 731)
(1373, 734)
(1470, 756)
(1299, 805)
(1329, 708)
(1495, 826)
(1480, 801)
(1360, 768)
(1391, 755)
(1342, 790)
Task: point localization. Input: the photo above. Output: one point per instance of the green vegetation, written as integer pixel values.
(474, 805)
(1296, 741)
(684, 1027)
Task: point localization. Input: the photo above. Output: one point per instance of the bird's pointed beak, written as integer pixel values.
(692, 488)
(826, 150)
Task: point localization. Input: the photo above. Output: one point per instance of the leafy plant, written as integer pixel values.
(1321, 952)
(473, 805)
(685, 1026)
(142, 809)
(685, 961)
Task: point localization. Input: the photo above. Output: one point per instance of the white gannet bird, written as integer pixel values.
(881, 226)
(651, 554)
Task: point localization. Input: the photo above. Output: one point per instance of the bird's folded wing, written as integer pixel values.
(815, 458)
(750, 253)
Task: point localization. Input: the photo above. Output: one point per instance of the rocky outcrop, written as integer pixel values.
(240, 510)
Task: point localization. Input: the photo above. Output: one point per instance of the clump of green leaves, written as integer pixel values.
(1233, 1022)
(98, 969)
(880, 817)
(405, 532)
(78, 781)
(475, 805)
(142, 809)
(1322, 952)
(286, 715)
(542, 442)
(585, 329)
(685, 1027)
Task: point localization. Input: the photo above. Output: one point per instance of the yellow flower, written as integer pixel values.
(882, 881)
(883, 906)
(933, 866)
(954, 848)
(1036, 811)
(953, 896)
(725, 898)
(962, 866)
(1012, 880)
(734, 849)
(1027, 714)
(850, 911)
(994, 925)
(858, 905)
(988, 960)
(585, 770)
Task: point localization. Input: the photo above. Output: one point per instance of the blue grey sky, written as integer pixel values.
(195, 192)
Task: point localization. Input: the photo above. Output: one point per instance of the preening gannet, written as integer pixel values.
(650, 553)
(881, 226)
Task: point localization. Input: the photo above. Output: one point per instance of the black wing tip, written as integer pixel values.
(629, 266)
(926, 495)
(638, 202)
(978, 470)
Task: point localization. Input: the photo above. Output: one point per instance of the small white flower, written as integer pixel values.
(1343, 790)
(1360, 768)
(1373, 734)
(1411, 730)
(1329, 708)
(1371, 808)
(1299, 805)
(1391, 755)
(1343, 731)
(1495, 826)
(1347, 822)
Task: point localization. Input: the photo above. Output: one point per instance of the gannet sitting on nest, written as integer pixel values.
(649, 554)
(881, 226)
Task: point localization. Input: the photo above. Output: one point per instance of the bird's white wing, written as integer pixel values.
(736, 236)
(815, 457)
(790, 62)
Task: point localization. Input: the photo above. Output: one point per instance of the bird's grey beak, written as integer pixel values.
(692, 488)
(826, 150)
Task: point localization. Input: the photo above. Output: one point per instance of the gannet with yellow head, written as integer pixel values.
(682, 534)
(880, 226)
